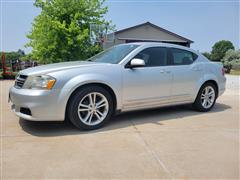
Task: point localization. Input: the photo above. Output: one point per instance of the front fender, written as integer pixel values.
(83, 79)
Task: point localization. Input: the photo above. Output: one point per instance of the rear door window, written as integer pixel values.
(182, 57)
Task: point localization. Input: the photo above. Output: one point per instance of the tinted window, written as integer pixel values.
(182, 57)
(114, 54)
(155, 56)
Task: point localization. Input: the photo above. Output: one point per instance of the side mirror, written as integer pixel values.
(136, 63)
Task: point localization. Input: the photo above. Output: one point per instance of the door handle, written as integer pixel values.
(197, 69)
(164, 71)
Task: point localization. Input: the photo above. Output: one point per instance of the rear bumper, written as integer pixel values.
(222, 86)
(221, 91)
(43, 104)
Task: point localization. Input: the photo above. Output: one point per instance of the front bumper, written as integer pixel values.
(43, 104)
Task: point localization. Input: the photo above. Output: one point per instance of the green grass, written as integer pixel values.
(235, 72)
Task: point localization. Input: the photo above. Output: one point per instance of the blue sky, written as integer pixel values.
(204, 22)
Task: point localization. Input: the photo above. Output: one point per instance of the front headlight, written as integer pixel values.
(39, 82)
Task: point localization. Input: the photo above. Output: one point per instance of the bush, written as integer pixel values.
(231, 60)
(236, 65)
(207, 55)
(8, 75)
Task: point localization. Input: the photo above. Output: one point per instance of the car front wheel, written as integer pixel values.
(206, 97)
(90, 108)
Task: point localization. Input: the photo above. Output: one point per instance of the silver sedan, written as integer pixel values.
(125, 77)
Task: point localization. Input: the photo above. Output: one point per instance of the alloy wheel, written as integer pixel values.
(93, 108)
(207, 97)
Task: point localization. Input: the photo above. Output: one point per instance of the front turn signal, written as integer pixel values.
(51, 83)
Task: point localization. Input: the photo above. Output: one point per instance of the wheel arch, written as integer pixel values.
(213, 82)
(100, 84)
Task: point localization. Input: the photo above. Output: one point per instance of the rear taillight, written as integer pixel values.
(223, 71)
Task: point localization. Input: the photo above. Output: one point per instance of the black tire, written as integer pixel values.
(72, 109)
(197, 105)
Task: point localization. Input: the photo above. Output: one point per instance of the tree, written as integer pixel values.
(219, 49)
(13, 56)
(207, 55)
(61, 31)
(27, 57)
(21, 52)
(231, 60)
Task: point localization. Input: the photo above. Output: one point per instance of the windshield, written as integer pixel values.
(114, 54)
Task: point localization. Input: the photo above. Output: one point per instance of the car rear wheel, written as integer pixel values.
(206, 97)
(90, 108)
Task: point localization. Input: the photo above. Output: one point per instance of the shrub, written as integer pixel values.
(9, 75)
(236, 65)
(231, 60)
(207, 55)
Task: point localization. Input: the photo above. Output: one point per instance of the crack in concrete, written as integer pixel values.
(151, 151)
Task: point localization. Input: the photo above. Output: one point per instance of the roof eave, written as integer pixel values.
(153, 25)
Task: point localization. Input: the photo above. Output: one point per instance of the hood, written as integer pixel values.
(44, 69)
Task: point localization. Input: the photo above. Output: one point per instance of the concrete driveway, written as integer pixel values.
(171, 143)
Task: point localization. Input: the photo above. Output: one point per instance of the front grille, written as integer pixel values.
(20, 80)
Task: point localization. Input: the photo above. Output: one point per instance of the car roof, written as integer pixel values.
(149, 44)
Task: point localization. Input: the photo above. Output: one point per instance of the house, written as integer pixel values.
(146, 32)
